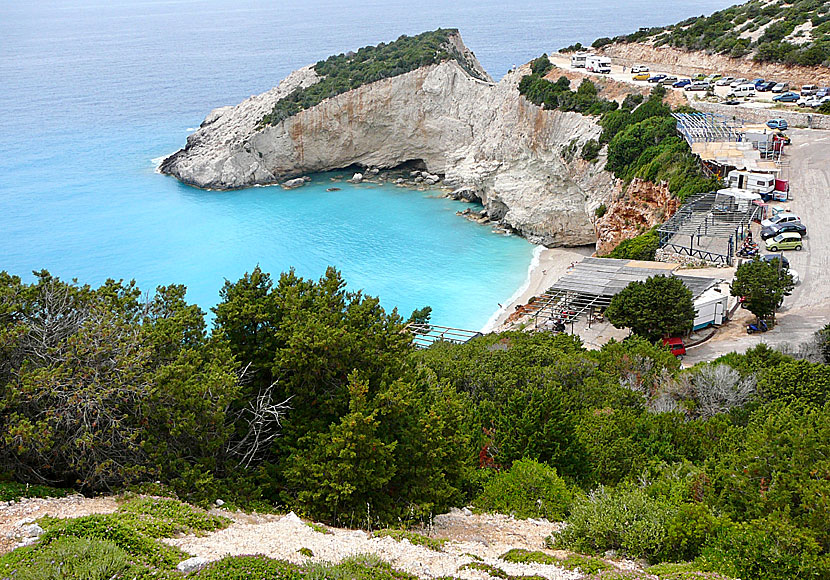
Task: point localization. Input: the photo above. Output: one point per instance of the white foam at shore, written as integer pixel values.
(534, 264)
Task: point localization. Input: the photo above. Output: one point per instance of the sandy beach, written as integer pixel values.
(548, 266)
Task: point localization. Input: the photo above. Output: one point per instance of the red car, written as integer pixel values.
(676, 346)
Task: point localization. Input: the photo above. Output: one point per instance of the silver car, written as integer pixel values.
(738, 82)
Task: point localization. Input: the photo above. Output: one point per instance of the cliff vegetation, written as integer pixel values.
(308, 396)
(641, 136)
(785, 31)
(345, 72)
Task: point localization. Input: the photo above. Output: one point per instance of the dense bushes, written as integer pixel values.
(527, 490)
(642, 247)
(345, 72)
(724, 465)
(557, 95)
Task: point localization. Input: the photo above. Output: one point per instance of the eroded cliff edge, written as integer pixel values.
(517, 158)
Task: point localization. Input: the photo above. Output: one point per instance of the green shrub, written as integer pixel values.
(527, 490)
(625, 519)
(585, 564)
(114, 529)
(522, 556)
(248, 568)
(362, 567)
(601, 210)
(13, 491)
(413, 538)
(683, 571)
(689, 529)
(642, 247)
(766, 549)
(66, 559)
(590, 151)
(165, 518)
(306, 552)
(319, 528)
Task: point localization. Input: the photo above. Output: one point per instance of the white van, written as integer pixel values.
(745, 90)
(809, 90)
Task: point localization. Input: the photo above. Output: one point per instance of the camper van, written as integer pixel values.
(763, 183)
(733, 199)
(578, 59)
(598, 64)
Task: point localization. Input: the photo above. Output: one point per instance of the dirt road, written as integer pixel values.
(808, 309)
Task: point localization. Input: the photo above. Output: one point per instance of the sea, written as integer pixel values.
(94, 93)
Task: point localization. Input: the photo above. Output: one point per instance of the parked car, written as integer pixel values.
(785, 241)
(698, 77)
(789, 97)
(640, 68)
(656, 78)
(767, 86)
(643, 76)
(759, 82)
(746, 90)
(780, 124)
(724, 82)
(809, 90)
(668, 81)
(785, 263)
(823, 92)
(697, 86)
(780, 218)
(772, 231)
(781, 88)
(675, 345)
(682, 83)
(738, 82)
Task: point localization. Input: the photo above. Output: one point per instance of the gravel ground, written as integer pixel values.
(485, 536)
(15, 515)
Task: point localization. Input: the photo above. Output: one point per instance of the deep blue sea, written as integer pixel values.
(92, 92)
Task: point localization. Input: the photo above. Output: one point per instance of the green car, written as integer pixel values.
(784, 241)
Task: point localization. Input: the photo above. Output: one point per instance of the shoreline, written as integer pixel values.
(547, 266)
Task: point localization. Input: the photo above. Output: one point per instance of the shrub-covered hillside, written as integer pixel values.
(641, 136)
(788, 31)
(344, 72)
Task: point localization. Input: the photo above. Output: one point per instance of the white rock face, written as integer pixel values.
(475, 134)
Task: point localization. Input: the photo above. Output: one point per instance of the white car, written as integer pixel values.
(780, 218)
(639, 69)
(724, 81)
(794, 274)
(738, 82)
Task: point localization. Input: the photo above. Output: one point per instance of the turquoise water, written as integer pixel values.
(93, 92)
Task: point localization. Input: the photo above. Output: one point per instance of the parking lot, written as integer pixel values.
(761, 99)
(808, 308)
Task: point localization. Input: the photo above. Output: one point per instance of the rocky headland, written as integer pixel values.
(480, 137)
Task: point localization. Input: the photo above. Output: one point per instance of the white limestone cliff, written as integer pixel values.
(517, 157)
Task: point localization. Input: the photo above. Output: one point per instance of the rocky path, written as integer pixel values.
(470, 537)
